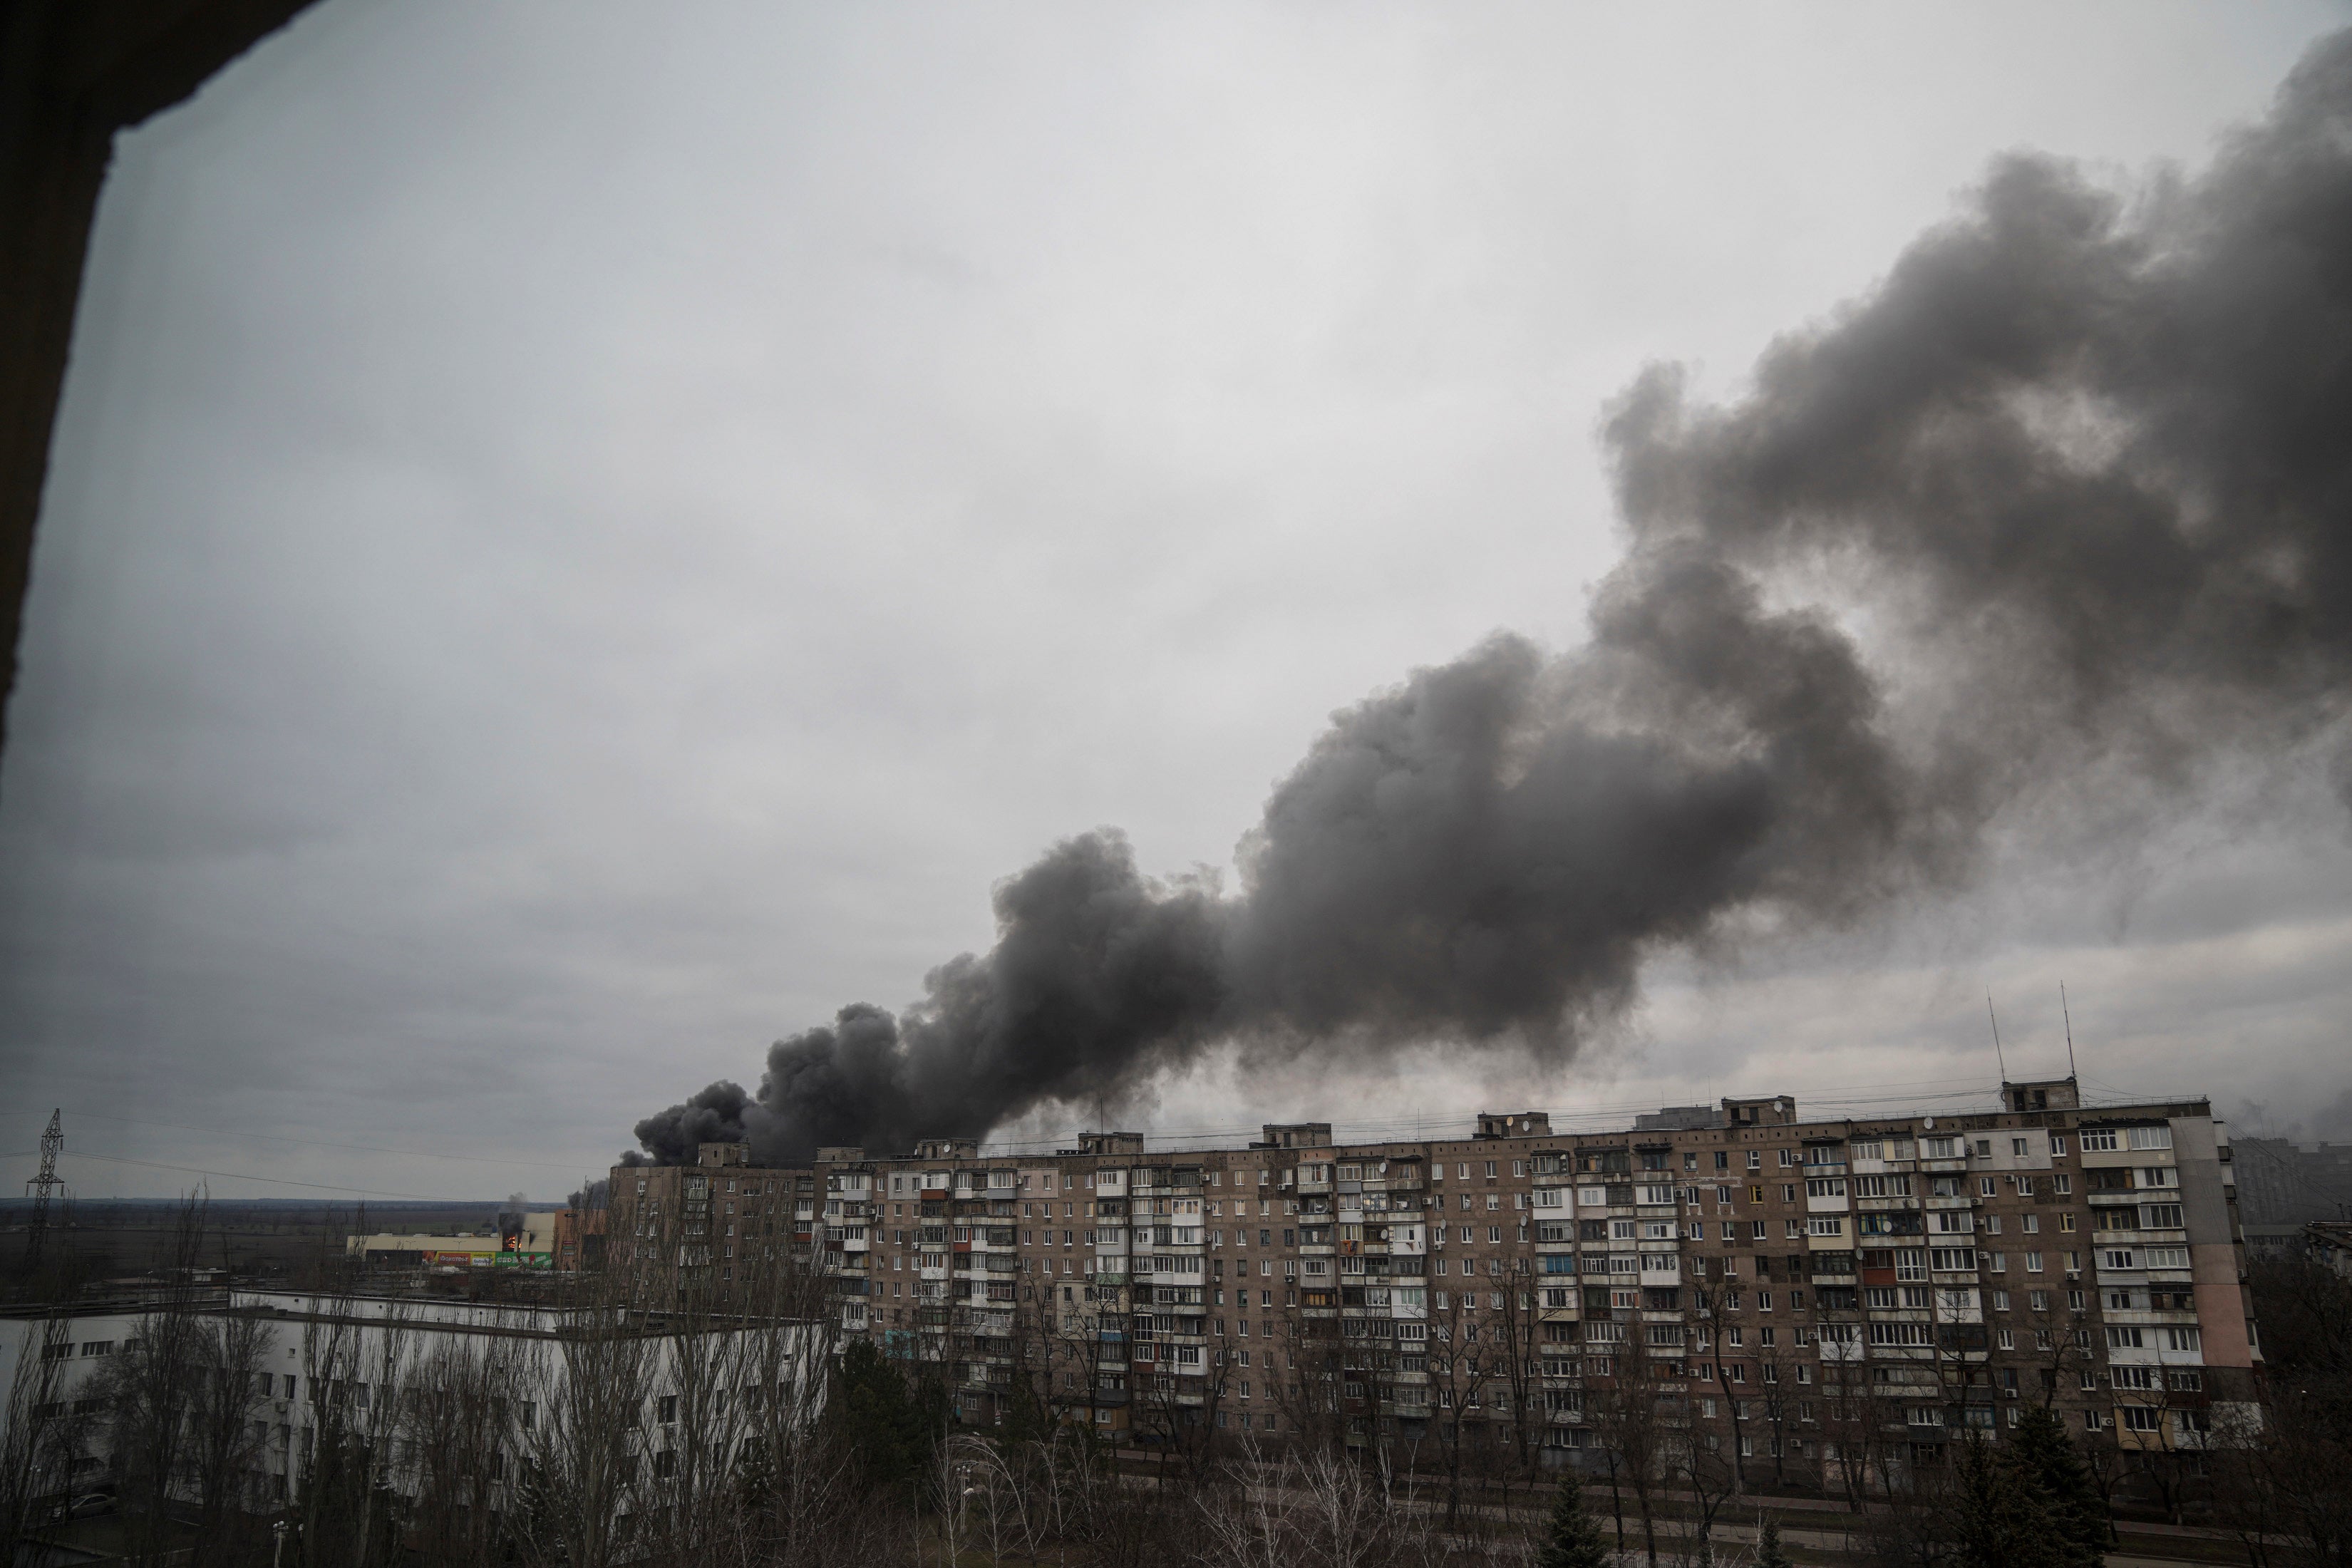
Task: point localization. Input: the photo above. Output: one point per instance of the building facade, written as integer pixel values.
(288, 1374)
(1820, 1296)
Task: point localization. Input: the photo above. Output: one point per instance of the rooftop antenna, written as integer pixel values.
(2070, 1027)
(1996, 1037)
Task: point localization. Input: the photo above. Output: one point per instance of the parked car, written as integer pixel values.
(88, 1506)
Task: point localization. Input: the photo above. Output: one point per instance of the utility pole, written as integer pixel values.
(41, 1186)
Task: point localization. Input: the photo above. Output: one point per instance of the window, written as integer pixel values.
(2183, 1339)
(1943, 1148)
(2017, 1147)
(2151, 1137)
(2097, 1139)
(2123, 1337)
(2159, 1217)
(2058, 1145)
(2142, 1418)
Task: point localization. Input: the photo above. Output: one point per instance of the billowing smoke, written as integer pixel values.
(2078, 475)
(713, 1116)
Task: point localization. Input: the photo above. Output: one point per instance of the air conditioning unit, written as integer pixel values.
(2073, 1276)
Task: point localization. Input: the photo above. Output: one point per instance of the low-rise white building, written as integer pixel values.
(434, 1396)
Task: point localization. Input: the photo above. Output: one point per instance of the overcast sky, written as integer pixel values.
(584, 537)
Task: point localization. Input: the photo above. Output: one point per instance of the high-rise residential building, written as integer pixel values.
(1806, 1296)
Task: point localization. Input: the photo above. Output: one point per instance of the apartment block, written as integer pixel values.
(1805, 1295)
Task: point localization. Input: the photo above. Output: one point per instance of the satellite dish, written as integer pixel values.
(1927, 1121)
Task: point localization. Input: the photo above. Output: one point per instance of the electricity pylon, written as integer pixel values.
(41, 1187)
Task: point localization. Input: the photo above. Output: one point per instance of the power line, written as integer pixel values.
(328, 1143)
(274, 1181)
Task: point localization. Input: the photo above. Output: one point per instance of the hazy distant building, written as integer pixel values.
(2282, 1184)
(522, 1240)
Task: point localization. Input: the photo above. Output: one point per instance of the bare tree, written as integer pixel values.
(1315, 1506)
(1622, 1406)
(1711, 1297)
(2058, 1324)
(583, 1482)
(1314, 1367)
(1184, 1401)
(1455, 1374)
(1515, 1329)
(226, 1445)
(332, 1471)
(42, 1443)
(151, 1387)
(456, 1438)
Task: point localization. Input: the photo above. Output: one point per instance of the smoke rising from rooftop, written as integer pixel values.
(2078, 466)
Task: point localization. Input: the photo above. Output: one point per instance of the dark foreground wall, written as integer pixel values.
(72, 73)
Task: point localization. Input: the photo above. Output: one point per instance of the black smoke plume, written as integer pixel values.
(2083, 467)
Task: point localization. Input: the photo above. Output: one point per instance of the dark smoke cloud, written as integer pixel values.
(2083, 463)
(713, 1116)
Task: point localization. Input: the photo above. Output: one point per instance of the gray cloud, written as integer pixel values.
(577, 544)
(2087, 454)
